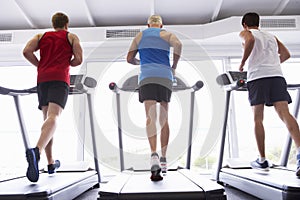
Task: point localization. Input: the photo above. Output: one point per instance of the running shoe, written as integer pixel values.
(155, 168)
(298, 171)
(261, 166)
(33, 157)
(298, 166)
(53, 167)
(163, 164)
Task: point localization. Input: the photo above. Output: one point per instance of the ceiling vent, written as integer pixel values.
(5, 37)
(122, 33)
(278, 23)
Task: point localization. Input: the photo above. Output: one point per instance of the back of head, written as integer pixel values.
(155, 19)
(250, 19)
(59, 20)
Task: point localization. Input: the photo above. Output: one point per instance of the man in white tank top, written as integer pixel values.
(266, 84)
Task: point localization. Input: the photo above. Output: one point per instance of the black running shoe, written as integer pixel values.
(298, 171)
(33, 157)
(261, 166)
(155, 173)
(155, 168)
(53, 167)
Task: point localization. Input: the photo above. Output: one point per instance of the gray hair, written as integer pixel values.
(155, 19)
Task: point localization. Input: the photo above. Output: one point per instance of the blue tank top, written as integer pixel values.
(154, 55)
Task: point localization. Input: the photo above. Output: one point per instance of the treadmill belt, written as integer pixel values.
(179, 184)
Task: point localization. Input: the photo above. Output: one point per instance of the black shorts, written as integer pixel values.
(268, 91)
(54, 92)
(155, 92)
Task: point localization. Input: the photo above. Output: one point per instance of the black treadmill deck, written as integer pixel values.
(179, 184)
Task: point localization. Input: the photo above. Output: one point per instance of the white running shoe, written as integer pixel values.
(163, 164)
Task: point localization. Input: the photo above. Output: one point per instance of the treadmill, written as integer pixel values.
(61, 185)
(178, 184)
(279, 183)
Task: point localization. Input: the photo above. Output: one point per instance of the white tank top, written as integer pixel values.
(264, 59)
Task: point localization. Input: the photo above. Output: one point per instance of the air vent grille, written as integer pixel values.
(278, 23)
(123, 33)
(5, 37)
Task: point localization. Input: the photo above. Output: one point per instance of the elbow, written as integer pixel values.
(129, 59)
(80, 60)
(76, 62)
(288, 55)
(25, 53)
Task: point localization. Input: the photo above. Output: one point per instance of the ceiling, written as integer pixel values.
(36, 14)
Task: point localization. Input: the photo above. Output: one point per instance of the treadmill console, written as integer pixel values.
(237, 75)
(74, 79)
(131, 84)
(233, 80)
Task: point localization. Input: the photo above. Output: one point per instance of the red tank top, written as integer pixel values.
(55, 55)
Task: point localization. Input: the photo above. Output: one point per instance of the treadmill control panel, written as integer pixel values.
(236, 75)
(233, 80)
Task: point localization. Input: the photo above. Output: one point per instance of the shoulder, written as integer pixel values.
(72, 36)
(166, 34)
(138, 37)
(246, 35)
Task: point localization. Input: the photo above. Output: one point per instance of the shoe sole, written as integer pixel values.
(298, 172)
(261, 169)
(155, 173)
(164, 172)
(32, 170)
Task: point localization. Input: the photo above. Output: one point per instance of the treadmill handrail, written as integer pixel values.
(13, 92)
(197, 86)
(293, 86)
(74, 89)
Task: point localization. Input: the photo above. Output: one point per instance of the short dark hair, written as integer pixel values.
(250, 19)
(59, 20)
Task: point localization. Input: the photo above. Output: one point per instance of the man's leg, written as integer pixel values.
(150, 108)
(259, 131)
(51, 114)
(282, 109)
(165, 132)
(258, 113)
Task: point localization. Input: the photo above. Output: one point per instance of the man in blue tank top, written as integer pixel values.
(266, 84)
(155, 83)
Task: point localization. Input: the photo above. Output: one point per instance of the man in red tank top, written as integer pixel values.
(59, 50)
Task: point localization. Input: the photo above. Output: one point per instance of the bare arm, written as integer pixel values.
(77, 50)
(249, 41)
(177, 48)
(31, 46)
(131, 55)
(284, 53)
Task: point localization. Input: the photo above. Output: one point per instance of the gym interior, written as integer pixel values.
(101, 139)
